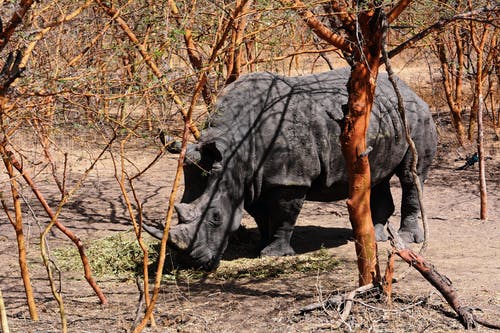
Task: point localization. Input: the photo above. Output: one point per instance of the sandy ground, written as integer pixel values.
(461, 246)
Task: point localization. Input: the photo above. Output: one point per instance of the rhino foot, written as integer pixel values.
(380, 234)
(412, 235)
(277, 249)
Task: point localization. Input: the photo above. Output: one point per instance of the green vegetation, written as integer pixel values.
(120, 256)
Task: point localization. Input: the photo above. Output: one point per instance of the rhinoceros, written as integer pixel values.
(273, 142)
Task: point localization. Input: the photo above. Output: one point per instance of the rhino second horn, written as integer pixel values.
(187, 212)
(180, 237)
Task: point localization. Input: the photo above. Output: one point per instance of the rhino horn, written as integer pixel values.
(178, 236)
(181, 236)
(153, 231)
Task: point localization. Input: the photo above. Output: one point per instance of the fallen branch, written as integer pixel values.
(438, 280)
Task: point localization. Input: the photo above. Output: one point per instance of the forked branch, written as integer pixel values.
(441, 24)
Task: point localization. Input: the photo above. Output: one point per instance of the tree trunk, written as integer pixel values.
(482, 174)
(361, 87)
(365, 27)
(478, 110)
(361, 92)
(21, 244)
(234, 58)
(473, 117)
(3, 315)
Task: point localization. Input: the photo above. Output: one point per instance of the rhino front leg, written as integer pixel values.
(382, 207)
(282, 206)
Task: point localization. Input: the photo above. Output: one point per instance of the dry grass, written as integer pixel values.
(120, 257)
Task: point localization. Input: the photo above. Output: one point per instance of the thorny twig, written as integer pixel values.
(149, 60)
(44, 140)
(43, 241)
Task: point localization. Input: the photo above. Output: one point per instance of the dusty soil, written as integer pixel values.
(460, 246)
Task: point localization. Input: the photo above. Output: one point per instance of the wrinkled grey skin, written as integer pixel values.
(273, 142)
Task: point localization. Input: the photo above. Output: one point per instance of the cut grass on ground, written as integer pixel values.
(119, 256)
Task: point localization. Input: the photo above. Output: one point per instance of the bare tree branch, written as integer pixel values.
(317, 26)
(115, 14)
(441, 24)
(397, 10)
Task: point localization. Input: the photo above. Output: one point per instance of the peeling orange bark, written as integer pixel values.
(361, 87)
(361, 90)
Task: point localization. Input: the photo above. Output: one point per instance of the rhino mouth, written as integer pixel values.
(204, 263)
(203, 259)
(212, 264)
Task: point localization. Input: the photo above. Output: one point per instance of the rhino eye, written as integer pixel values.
(216, 218)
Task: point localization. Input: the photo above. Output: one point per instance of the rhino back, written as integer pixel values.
(285, 130)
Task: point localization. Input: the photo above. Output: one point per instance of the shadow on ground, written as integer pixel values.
(244, 243)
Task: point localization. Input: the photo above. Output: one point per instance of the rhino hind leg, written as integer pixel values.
(409, 230)
(276, 217)
(382, 207)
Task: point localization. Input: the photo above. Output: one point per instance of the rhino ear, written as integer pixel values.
(193, 155)
(214, 149)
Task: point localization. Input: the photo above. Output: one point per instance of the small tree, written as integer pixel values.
(359, 33)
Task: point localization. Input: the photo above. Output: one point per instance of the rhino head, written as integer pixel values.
(211, 207)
